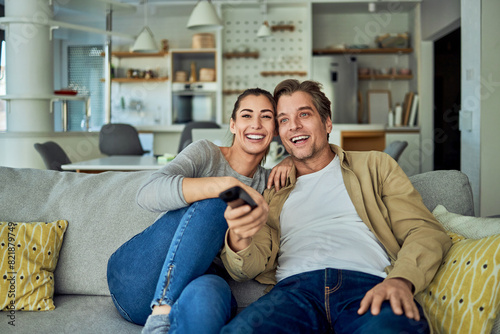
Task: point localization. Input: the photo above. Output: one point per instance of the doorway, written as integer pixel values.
(447, 97)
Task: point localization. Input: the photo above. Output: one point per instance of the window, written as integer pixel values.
(3, 103)
(85, 74)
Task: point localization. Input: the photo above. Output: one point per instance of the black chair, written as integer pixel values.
(120, 139)
(53, 155)
(396, 148)
(186, 135)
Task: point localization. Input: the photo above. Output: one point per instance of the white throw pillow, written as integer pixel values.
(467, 226)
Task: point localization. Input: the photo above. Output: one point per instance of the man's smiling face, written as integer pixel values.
(302, 132)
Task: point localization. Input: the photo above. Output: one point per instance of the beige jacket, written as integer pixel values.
(387, 203)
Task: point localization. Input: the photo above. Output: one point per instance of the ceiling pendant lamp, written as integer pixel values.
(264, 30)
(145, 42)
(204, 17)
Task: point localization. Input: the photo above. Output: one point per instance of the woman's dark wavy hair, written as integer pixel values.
(255, 92)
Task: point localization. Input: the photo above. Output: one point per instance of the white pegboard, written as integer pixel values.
(283, 51)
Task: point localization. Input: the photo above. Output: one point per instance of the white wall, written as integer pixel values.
(17, 148)
(480, 101)
(490, 107)
(439, 17)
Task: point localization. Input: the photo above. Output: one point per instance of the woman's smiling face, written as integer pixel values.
(254, 126)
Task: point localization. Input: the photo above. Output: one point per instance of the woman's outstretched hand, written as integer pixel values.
(279, 174)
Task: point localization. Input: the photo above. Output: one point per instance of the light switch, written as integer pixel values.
(469, 74)
(465, 121)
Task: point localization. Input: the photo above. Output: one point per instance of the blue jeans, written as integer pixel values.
(321, 301)
(204, 306)
(179, 247)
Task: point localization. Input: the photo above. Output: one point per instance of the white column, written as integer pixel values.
(29, 66)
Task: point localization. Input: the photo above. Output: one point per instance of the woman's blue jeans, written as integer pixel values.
(178, 248)
(321, 301)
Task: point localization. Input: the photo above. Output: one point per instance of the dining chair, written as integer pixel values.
(120, 139)
(396, 148)
(53, 155)
(187, 136)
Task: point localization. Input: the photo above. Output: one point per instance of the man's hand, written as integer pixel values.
(244, 223)
(398, 291)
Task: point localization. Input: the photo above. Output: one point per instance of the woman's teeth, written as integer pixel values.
(256, 137)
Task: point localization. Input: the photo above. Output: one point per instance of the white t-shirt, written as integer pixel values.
(321, 229)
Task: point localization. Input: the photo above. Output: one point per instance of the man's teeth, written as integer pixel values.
(296, 139)
(255, 136)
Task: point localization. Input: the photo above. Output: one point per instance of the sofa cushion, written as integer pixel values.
(467, 226)
(73, 314)
(450, 188)
(464, 296)
(30, 252)
(101, 211)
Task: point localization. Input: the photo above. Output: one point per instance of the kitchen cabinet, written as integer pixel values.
(190, 60)
(351, 30)
(365, 140)
(154, 100)
(140, 88)
(366, 137)
(121, 70)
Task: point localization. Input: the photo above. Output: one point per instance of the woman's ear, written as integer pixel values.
(231, 126)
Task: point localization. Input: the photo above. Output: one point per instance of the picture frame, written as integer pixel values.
(379, 104)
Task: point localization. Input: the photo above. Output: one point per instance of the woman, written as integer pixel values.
(163, 267)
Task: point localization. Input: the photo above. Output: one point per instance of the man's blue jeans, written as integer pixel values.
(321, 301)
(179, 248)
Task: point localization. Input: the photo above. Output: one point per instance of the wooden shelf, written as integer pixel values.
(362, 51)
(194, 51)
(193, 83)
(385, 77)
(127, 54)
(230, 55)
(282, 27)
(127, 80)
(275, 73)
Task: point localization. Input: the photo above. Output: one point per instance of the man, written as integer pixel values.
(348, 239)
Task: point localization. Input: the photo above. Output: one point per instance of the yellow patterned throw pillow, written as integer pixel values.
(464, 296)
(28, 255)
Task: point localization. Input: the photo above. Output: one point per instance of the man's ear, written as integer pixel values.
(328, 125)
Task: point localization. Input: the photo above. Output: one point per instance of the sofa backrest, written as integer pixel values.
(450, 188)
(103, 214)
(101, 211)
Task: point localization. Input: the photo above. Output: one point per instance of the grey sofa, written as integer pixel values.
(102, 215)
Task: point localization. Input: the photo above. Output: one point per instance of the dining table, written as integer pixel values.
(115, 163)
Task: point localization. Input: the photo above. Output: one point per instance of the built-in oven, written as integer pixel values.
(193, 102)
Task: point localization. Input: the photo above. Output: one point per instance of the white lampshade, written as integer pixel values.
(204, 17)
(264, 30)
(145, 42)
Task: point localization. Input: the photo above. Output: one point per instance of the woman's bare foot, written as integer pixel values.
(161, 309)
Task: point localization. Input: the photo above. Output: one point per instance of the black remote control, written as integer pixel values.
(237, 196)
